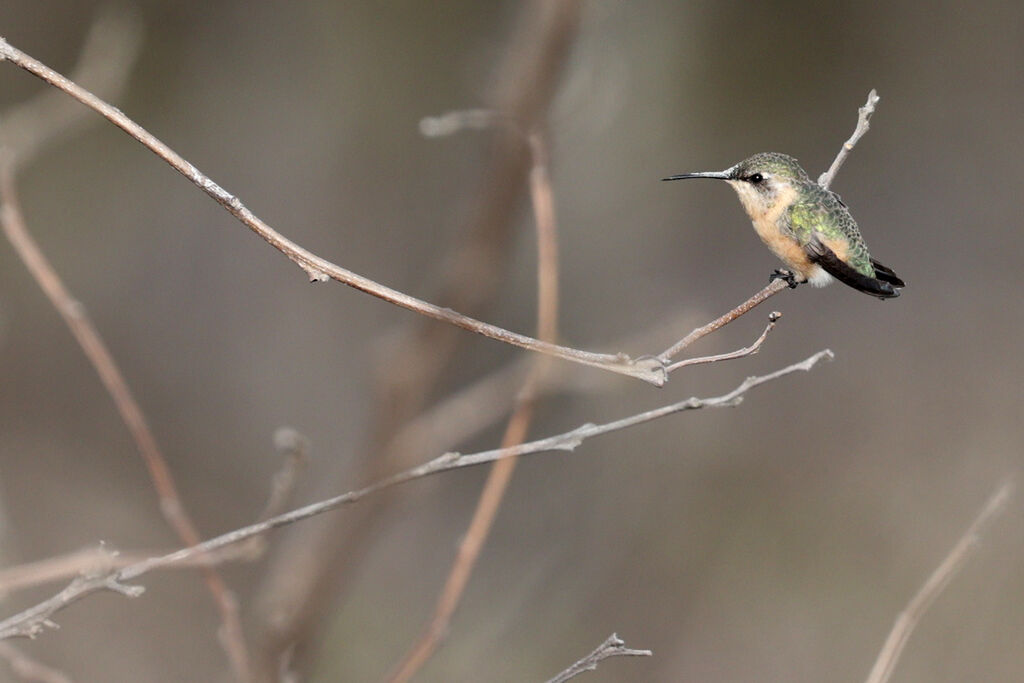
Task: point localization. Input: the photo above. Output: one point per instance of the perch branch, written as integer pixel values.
(731, 355)
(863, 124)
(317, 268)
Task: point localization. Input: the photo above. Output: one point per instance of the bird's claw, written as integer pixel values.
(781, 274)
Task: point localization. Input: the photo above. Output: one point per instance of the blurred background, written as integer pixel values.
(776, 541)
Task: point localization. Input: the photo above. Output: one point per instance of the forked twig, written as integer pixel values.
(731, 355)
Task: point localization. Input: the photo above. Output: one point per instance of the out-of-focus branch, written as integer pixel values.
(302, 585)
(114, 37)
(863, 124)
(908, 619)
(104, 63)
(101, 560)
(33, 620)
(85, 333)
(493, 493)
(28, 669)
(294, 447)
(613, 647)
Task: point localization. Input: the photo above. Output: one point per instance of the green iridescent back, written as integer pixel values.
(819, 210)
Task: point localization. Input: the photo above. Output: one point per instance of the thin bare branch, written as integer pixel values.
(102, 560)
(731, 355)
(613, 647)
(33, 620)
(863, 124)
(770, 290)
(317, 268)
(469, 277)
(908, 619)
(115, 36)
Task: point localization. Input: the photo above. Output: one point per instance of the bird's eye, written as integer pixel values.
(756, 178)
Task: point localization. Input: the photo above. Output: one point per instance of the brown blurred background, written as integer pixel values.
(772, 542)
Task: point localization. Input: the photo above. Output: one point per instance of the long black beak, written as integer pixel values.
(716, 175)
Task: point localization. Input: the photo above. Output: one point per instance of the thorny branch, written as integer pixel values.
(32, 621)
(612, 647)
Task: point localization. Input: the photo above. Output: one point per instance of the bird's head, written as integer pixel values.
(761, 181)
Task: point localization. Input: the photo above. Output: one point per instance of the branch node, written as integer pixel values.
(448, 458)
(315, 274)
(127, 590)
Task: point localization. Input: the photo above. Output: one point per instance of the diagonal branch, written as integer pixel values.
(773, 318)
(317, 268)
(28, 669)
(908, 619)
(612, 647)
(33, 620)
(114, 37)
(863, 119)
(292, 597)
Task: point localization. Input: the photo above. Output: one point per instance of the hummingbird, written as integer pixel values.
(805, 225)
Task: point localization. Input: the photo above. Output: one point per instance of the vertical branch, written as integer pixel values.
(863, 124)
(298, 581)
(493, 493)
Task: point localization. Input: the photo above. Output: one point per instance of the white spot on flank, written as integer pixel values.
(818, 277)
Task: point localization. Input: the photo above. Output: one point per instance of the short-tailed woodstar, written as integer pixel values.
(805, 225)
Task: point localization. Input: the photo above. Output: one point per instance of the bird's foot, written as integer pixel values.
(787, 275)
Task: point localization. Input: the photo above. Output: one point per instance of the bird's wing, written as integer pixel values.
(826, 258)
